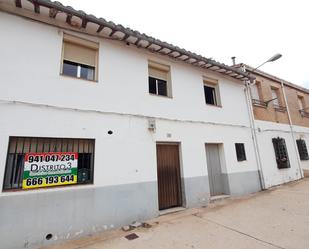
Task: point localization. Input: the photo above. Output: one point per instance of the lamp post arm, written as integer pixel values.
(258, 67)
(268, 101)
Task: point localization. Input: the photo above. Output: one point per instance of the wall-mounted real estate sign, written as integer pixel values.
(50, 169)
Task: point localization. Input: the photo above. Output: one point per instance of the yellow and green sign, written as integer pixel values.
(50, 169)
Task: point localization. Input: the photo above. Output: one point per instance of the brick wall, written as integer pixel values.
(272, 114)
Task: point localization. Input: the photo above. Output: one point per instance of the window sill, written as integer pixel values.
(260, 106)
(280, 110)
(76, 78)
(218, 106)
(304, 114)
(157, 95)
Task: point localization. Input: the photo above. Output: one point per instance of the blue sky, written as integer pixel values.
(252, 31)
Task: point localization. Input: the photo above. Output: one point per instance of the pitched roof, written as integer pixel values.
(79, 20)
(253, 71)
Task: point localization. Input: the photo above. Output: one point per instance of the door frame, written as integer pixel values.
(225, 181)
(181, 187)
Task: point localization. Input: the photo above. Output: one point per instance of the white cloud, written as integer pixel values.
(250, 30)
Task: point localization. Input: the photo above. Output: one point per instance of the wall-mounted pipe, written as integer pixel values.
(292, 130)
(253, 132)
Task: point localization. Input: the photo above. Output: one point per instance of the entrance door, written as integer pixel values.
(214, 170)
(168, 169)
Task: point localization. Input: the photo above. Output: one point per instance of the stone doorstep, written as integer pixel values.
(218, 198)
(171, 210)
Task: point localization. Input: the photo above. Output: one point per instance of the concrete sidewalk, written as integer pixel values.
(276, 218)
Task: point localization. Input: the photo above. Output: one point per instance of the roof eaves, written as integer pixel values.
(273, 77)
(191, 58)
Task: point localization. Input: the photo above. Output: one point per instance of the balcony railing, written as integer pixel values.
(260, 103)
(303, 113)
(279, 108)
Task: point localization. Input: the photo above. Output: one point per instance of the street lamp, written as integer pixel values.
(252, 120)
(271, 59)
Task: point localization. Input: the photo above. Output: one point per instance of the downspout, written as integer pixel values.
(253, 132)
(292, 131)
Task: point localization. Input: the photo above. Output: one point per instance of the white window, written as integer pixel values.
(275, 96)
(255, 92)
(80, 58)
(301, 103)
(159, 81)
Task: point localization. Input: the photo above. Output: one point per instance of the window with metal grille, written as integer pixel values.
(19, 146)
(240, 152)
(302, 149)
(281, 153)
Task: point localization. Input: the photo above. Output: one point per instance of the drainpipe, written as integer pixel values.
(292, 130)
(253, 132)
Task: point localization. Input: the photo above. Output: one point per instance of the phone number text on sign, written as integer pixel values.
(50, 169)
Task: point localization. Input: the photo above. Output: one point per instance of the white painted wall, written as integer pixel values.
(129, 154)
(123, 78)
(30, 64)
(274, 176)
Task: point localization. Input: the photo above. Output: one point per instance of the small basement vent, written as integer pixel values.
(302, 149)
(281, 153)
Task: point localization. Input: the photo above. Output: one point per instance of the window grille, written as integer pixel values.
(302, 149)
(281, 153)
(240, 152)
(19, 146)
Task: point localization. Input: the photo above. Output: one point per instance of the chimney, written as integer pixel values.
(233, 59)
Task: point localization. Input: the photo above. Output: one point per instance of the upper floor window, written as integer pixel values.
(255, 93)
(80, 58)
(301, 102)
(159, 79)
(277, 100)
(275, 96)
(281, 153)
(211, 91)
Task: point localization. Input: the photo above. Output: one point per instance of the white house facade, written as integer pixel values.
(101, 128)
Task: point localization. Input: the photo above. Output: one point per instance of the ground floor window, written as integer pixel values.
(240, 152)
(281, 153)
(42, 162)
(302, 149)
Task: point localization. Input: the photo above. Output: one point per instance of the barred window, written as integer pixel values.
(240, 152)
(20, 147)
(302, 149)
(281, 153)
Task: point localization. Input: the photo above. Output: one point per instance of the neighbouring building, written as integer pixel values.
(102, 126)
(281, 125)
